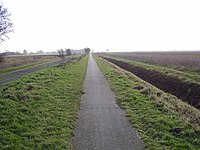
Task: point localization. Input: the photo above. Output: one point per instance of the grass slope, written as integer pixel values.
(155, 116)
(6, 70)
(39, 111)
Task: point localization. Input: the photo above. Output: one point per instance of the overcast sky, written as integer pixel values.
(124, 25)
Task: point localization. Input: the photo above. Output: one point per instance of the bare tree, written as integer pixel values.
(87, 50)
(5, 23)
(61, 54)
(68, 52)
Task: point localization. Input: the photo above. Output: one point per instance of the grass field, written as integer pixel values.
(39, 110)
(162, 120)
(9, 69)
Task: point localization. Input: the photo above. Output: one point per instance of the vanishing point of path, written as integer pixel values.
(102, 125)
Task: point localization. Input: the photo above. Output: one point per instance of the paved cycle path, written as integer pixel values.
(102, 125)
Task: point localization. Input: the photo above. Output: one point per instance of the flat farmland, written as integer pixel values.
(177, 59)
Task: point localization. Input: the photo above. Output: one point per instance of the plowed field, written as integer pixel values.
(188, 92)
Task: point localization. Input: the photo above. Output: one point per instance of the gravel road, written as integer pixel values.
(102, 125)
(6, 77)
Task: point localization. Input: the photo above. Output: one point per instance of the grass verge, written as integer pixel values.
(163, 121)
(39, 110)
(21, 60)
(6, 70)
(18, 67)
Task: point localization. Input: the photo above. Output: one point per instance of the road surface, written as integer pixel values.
(6, 77)
(102, 125)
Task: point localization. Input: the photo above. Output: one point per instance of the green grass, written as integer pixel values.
(39, 110)
(9, 69)
(6, 70)
(185, 74)
(153, 116)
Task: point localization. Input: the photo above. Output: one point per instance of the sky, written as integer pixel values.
(116, 25)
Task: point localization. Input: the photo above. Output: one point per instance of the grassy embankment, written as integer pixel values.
(20, 62)
(39, 110)
(6, 70)
(185, 74)
(163, 121)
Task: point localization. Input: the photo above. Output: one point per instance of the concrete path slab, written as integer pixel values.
(102, 125)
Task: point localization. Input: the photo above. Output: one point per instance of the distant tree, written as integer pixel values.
(1, 58)
(40, 52)
(18, 53)
(61, 54)
(25, 52)
(5, 23)
(68, 52)
(87, 50)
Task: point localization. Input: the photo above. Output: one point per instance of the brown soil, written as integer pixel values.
(188, 92)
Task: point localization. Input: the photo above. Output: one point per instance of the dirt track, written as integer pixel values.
(6, 77)
(188, 92)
